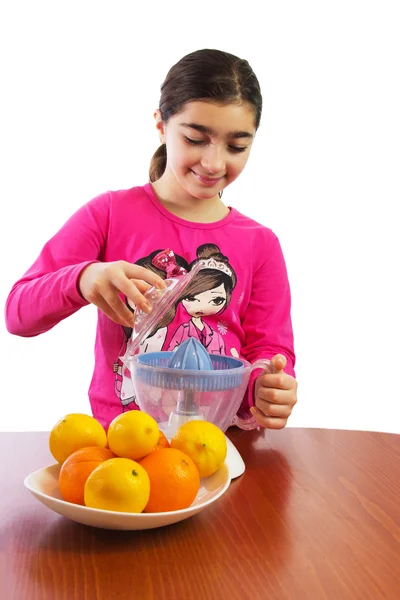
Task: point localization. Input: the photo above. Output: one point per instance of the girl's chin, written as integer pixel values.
(196, 189)
(201, 193)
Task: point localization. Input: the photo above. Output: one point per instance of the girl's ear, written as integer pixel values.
(160, 125)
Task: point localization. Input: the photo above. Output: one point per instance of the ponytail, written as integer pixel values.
(158, 163)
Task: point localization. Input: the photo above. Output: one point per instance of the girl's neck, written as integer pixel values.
(181, 204)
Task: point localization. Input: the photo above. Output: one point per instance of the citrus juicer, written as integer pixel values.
(189, 383)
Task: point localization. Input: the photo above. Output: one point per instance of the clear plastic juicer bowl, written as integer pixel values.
(173, 396)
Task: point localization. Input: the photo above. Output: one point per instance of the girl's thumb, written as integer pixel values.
(279, 362)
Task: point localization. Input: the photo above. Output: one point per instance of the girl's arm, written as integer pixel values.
(267, 323)
(48, 292)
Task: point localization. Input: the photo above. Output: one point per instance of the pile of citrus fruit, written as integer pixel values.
(133, 467)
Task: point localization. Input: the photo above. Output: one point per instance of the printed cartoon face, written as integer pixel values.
(207, 303)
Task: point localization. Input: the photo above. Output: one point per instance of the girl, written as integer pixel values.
(209, 112)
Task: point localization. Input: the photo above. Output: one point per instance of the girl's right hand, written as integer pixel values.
(102, 283)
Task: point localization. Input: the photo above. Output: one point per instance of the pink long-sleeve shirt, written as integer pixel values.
(247, 314)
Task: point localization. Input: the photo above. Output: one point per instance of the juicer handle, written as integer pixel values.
(264, 364)
(251, 422)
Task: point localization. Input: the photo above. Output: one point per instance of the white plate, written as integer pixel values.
(43, 484)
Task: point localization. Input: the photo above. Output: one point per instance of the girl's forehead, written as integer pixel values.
(217, 119)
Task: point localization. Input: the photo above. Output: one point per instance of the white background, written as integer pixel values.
(80, 82)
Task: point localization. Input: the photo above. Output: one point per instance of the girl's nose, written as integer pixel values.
(212, 160)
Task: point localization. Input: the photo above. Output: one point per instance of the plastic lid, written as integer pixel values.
(161, 301)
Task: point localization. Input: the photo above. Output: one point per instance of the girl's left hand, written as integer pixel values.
(275, 395)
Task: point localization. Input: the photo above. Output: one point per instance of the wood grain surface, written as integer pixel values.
(316, 516)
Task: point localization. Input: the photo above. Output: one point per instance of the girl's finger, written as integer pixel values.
(118, 307)
(272, 395)
(136, 272)
(127, 287)
(276, 396)
(141, 285)
(278, 381)
(281, 411)
(111, 314)
(267, 422)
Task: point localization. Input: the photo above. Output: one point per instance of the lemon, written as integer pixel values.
(73, 432)
(132, 434)
(204, 442)
(118, 484)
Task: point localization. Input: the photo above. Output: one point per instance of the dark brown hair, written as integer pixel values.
(210, 75)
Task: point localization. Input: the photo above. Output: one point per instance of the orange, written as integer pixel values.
(76, 469)
(204, 442)
(73, 432)
(162, 442)
(174, 480)
(118, 484)
(132, 434)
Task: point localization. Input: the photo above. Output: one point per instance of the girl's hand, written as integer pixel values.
(102, 283)
(275, 396)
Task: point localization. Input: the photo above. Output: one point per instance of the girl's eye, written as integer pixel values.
(237, 148)
(189, 299)
(194, 142)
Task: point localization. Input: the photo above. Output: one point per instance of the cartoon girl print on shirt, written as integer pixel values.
(207, 295)
(153, 343)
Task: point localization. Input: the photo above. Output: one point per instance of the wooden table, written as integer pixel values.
(316, 516)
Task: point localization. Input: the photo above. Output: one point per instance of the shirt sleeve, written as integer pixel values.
(48, 292)
(267, 323)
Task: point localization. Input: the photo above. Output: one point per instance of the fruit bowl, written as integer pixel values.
(43, 484)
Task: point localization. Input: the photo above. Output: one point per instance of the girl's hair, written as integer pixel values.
(210, 75)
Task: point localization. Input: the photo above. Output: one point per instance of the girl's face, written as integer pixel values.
(206, 303)
(208, 146)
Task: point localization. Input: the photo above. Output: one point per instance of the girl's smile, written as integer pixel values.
(208, 181)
